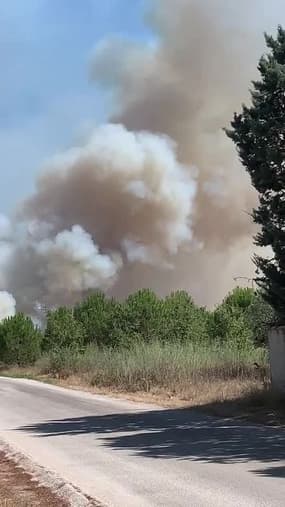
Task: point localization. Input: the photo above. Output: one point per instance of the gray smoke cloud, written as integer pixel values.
(7, 305)
(157, 197)
(187, 85)
(122, 190)
(43, 268)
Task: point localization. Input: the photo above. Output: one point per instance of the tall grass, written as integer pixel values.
(144, 367)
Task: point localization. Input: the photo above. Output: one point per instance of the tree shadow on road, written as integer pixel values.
(178, 434)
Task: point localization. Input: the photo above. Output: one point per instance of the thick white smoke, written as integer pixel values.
(125, 189)
(7, 305)
(187, 84)
(71, 262)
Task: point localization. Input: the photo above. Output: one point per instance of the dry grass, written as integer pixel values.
(216, 377)
(145, 366)
(181, 372)
(196, 395)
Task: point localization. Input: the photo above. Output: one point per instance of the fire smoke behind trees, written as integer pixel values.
(157, 197)
(187, 85)
(7, 305)
(125, 192)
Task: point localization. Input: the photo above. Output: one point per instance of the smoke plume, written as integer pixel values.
(187, 85)
(156, 197)
(7, 305)
(124, 190)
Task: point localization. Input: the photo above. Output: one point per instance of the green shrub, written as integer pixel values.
(59, 363)
(244, 309)
(20, 340)
(260, 317)
(229, 325)
(140, 316)
(182, 319)
(63, 330)
(240, 298)
(97, 314)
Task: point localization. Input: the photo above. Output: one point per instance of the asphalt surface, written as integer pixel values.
(128, 454)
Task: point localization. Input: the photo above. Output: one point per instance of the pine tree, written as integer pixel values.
(259, 135)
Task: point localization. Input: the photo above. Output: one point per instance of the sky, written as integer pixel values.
(46, 98)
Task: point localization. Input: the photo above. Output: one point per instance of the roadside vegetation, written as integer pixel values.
(167, 347)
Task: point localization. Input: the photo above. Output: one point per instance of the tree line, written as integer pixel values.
(242, 320)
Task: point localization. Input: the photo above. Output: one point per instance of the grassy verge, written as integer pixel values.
(189, 373)
(219, 379)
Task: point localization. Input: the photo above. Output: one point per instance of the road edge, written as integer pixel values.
(44, 477)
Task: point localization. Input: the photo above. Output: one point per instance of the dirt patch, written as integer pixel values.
(19, 489)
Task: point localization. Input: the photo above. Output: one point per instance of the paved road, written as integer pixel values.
(127, 454)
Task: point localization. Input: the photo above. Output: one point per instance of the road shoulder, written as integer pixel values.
(25, 483)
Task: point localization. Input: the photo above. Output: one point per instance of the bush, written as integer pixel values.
(20, 341)
(97, 314)
(243, 309)
(260, 317)
(230, 326)
(59, 363)
(240, 298)
(182, 319)
(63, 330)
(139, 317)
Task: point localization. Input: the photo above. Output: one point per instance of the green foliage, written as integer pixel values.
(60, 362)
(260, 317)
(182, 319)
(20, 341)
(144, 317)
(228, 322)
(97, 314)
(229, 325)
(140, 316)
(240, 298)
(141, 321)
(174, 366)
(259, 133)
(244, 317)
(63, 330)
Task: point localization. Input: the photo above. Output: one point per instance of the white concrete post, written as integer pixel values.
(276, 337)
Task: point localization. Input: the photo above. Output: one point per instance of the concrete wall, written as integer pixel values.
(277, 358)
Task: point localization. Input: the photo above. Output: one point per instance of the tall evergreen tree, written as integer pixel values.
(259, 134)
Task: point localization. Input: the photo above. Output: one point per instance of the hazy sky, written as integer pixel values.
(46, 100)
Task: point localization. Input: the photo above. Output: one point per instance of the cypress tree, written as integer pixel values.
(259, 135)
